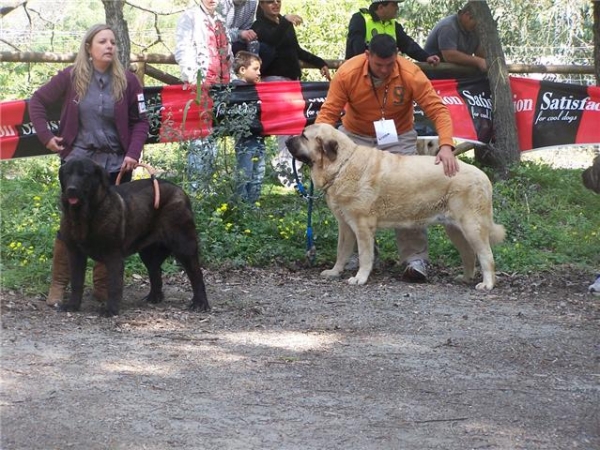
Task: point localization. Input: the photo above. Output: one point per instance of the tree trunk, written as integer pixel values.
(113, 10)
(506, 150)
(596, 7)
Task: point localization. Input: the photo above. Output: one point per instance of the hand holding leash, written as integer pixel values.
(128, 164)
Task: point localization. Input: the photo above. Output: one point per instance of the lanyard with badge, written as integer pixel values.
(385, 129)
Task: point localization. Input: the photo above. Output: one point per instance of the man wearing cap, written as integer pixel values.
(377, 90)
(455, 40)
(380, 18)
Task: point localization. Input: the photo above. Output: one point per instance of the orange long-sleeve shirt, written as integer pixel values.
(351, 89)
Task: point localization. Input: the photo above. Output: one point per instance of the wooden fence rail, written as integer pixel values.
(141, 65)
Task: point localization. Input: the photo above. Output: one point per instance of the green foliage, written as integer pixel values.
(20, 80)
(551, 220)
(550, 217)
(546, 24)
(29, 220)
(530, 32)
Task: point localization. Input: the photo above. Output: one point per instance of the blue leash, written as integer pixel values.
(311, 250)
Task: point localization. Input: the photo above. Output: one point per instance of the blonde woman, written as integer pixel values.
(103, 117)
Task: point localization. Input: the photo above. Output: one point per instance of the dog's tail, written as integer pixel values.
(497, 234)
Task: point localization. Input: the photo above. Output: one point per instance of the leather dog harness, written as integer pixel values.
(152, 172)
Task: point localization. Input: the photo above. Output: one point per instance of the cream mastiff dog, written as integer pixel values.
(367, 189)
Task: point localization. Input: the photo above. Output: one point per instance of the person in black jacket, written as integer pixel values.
(281, 55)
(380, 18)
(280, 44)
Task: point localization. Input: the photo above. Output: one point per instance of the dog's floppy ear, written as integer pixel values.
(329, 148)
(102, 176)
(61, 176)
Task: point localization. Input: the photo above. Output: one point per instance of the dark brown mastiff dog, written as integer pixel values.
(109, 223)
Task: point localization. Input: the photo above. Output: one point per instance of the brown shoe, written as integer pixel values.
(61, 275)
(100, 276)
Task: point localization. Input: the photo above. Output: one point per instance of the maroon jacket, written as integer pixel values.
(131, 125)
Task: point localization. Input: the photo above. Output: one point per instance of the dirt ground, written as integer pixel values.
(286, 360)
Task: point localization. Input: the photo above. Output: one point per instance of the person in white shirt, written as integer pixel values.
(203, 54)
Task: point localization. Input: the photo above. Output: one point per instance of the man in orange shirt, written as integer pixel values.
(377, 91)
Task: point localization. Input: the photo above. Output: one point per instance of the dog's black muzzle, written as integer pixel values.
(294, 148)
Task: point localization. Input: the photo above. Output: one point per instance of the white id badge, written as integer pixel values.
(141, 104)
(385, 129)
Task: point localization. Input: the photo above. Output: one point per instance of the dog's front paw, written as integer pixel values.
(109, 311)
(360, 277)
(68, 307)
(199, 300)
(154, 298)
(484, 286)
(330, 273)
(199, 306)
(357, 280)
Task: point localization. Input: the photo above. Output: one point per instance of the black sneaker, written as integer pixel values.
(415, 271)
(595, 288)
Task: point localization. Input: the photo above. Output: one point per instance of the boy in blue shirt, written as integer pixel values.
(249, 149)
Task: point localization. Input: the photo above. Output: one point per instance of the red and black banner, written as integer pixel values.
(547, 113)
(17, 135)
(470, 105)
(274, 108)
